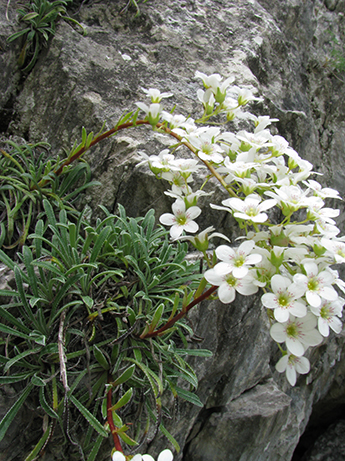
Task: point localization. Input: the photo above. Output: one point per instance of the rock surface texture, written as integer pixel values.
(283, 49)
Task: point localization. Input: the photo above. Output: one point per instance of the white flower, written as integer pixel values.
(250, 209)
(204, 141)
(228, 284)
(182, 219)
(293, 365)
(285, 298)
(262, 121)
(316, 284)
(279, 145)
(336, 248)
(155, 95)
(178, 181)
(207, 99)
(264, 271)
(328, 314)
(290, 198)
(186, 127)
(236, 260)
(153, 111)
(238, 168)
(174, 120)
(326, 229)
(161, 162)
(297, 334)
(320, 191)
(258, 140)
(190, 198)
(243, 95)
(185, 165)
(165, 455)
(316, 211)
(139, 457)
(200, 241)
(118, 456)
(215, 83)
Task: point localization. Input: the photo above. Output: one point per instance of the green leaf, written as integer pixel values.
(49, 212)
(100, 357)
(29, 16)
(150, 375)
(189, 396)
(195, 352)
(18, 34)
(99, 243)
(89, 140)
(50, 266)
(171, 439)
(6, 260)
(14, 378)
(38, 337)
(35, 452)
(80, 266)
(19, 282)
(126, 375)
(123, 400)
(88, 416)
(83, 136)
(11, 414)
(45, 406)
(95, 449)
(4, 313)
(157, 316)
(37, 381)
(127, 439)
(20, 356)
(12, 331)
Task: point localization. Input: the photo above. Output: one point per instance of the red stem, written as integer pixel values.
(123, 126)
(97, 140)
(111, 422)
(181, 314)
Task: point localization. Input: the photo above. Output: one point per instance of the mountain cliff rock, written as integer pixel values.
(282, 48)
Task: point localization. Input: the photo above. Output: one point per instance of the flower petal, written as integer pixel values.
(294, 346)
(226, 293)
(278, 332)
(165, 455)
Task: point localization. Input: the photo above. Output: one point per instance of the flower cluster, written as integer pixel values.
(291, 260)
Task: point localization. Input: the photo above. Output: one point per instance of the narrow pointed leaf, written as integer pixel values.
(11, 414)
(89, 417)
(126, 375)
(189, 396)
(95, 449)
(100, 357)
(123, 400)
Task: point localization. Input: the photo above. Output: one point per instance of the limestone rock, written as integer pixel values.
(281, 48)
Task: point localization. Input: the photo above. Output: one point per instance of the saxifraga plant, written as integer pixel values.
(86, 305)
(126, 271)
(39, 20)
(23, 168)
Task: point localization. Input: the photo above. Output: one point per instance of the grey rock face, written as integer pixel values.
(330, 446)
(245, 428)
(281, 48)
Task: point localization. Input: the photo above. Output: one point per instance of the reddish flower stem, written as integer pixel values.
(123, 126)
(116, 438)
(180, 314)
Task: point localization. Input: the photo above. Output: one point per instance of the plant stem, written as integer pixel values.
(181, 314)
(110, 420)
(107, 134)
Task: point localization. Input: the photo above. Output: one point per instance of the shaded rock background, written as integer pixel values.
(283, 48)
